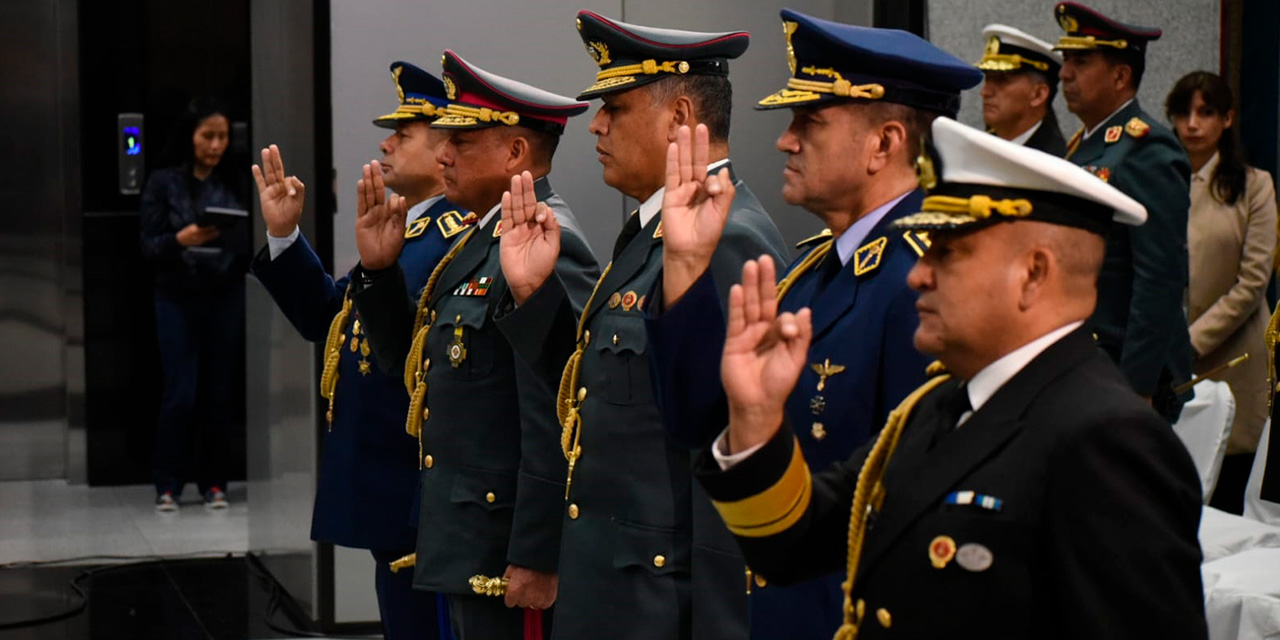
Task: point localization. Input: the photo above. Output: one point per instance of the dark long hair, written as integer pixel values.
(1228, 181)
(179, 151)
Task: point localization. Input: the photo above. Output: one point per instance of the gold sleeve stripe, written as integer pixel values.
(775, 509)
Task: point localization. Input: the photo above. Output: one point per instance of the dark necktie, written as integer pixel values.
(951, 407)
(629, 231)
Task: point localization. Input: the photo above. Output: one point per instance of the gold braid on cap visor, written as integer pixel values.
(977, 207)
(483, 114)
(426, 109)
(1089, 42)
(839, 86)
(647, 68)
(1009, 62)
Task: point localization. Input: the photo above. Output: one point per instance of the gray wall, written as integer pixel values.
(39, 238)
(1190, 41)
(536, 42)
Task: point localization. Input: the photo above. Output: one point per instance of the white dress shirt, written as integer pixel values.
(983, 385)
(277, 246)
(1026, 135)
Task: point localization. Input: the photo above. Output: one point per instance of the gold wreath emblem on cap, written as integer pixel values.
(599, 52)
(450, 89)
(993, 45)
(395, 77)
(1067, 22)
(789, 28)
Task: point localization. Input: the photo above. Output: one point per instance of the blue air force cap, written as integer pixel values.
(832, 61)
(421, 96)
(631, 56)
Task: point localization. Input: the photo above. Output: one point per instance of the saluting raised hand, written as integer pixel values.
(764, 354)
(530, 238)
(280, 195)
(695, 207)
(379, 220)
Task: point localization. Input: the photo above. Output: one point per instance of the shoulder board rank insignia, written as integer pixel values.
(867, 258)
(451, 224)
(657, 233)
(918, 241)
(1113, 134)
(1137, 128)
(417, 227)
(826, 233)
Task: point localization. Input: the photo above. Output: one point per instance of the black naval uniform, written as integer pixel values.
(643, 554)
(1048, 138)
(493, 475)
(1052, 517)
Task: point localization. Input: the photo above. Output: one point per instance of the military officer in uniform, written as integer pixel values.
(493, 475)
(1140, 320)
(851, 151)
(643, 554)
(1020, 80)
(368, 476)
(1027, 493)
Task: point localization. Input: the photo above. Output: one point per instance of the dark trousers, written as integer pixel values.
(487, 618)
(407, 614)
(1228, 494)
(201, 337)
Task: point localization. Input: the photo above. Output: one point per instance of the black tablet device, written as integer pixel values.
(221, 217)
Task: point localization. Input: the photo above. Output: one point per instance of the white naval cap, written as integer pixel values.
(1010, 49)
(975, 178)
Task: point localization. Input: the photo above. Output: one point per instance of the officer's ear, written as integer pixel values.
(682, 114)
(1122, 75)
(890, 142)
(519, 152)
(1040, 94)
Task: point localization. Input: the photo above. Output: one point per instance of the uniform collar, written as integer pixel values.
(417, 210)
(1107, 119)
(993, 376)
(1206, 172)
(489, 216)
(852, 238)
(650, 208)
(1026, 135)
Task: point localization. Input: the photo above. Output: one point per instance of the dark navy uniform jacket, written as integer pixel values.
(863, 325)
(1140, 320)
(643, 554)
(368, 463)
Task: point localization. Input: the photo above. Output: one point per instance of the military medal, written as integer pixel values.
(364, 367)
(818, 431)
(824, 371)
(629, 300)
(817, 405)
(355, 344)
(615, 300)
(457, 350)
(1104, 174)
(355, 327)
(974, 557)
(640, 304)
(941, 551)
(364, 348)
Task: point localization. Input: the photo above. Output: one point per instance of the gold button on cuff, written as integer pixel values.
(573, 512)
(615, 338)
(883, 617)
(659, 561)
(428, 461)
(489, 497)
(457, 319)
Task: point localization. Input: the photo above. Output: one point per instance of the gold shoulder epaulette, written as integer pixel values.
(826, 233)
(935, 369)
(918, 241)
(1137, 128)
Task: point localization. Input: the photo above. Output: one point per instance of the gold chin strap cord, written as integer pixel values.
(415, 367)
(870, 495)
(569, 402)
(647, 68)
(483, 114)
(1089, 42)
(838, 86)
(333, 353)
(979, 207)
(805, 265)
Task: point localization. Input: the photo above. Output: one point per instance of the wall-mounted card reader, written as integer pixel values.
(131, 155)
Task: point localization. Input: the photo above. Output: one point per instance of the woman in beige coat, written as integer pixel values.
(1231, 238)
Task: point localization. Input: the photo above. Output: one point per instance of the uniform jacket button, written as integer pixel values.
(489, 497)
(883, 617)
(659, 561)
(573, 512)
(428, 461)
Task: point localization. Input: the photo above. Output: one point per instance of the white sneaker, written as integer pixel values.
(165, 503)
